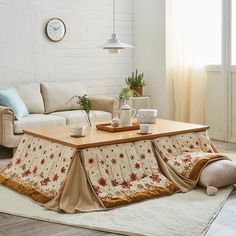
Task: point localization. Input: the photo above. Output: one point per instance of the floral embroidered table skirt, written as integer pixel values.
(65, 179)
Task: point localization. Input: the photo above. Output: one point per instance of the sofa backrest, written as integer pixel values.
(57, 95)
(32, 97)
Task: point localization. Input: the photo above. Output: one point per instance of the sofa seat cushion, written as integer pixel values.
(78, 117)
(37, 121)
(57, 96)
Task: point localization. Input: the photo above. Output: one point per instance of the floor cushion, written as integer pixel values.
(78, 117)
(218, 174)
(37, 121)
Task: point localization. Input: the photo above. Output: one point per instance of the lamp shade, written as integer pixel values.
(114, 44)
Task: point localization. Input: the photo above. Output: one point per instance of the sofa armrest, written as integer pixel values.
(7, 137)
(105, 104)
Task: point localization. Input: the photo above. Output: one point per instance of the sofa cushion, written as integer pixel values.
(10, 98)
(37, 121)
(32, 97)
(57, 95)
(78, 117)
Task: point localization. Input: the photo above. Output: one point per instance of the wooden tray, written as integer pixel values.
(109, 128)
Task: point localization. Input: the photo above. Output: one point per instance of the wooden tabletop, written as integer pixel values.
(95, 137)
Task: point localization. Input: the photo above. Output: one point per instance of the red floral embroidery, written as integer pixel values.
(63, 169)
(113, 161)
(102, 182)
(140, 186)
(26, 173)
(186, 159)
(165, 159)
(126, 185)
(169, 150)
(42, 161)
(121, 155)
(90, 161)
(156, 178)
(18, 161)
(133, 176)
(9, 165)
(97, 190)
(45, 181)
(55, 177)
(137, 165)
(35, 170)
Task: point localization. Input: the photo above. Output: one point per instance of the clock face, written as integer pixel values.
(55, 29)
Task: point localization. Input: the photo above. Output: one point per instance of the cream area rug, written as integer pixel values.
(180, 214)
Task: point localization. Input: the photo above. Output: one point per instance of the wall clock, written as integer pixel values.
(55, 29)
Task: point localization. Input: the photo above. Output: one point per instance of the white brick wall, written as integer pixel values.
(26, 55)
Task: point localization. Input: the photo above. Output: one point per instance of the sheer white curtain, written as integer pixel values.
(188, 50)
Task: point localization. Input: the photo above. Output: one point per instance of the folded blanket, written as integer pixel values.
(185, 156)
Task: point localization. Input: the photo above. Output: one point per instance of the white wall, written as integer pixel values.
(149, 52)
(27, 55)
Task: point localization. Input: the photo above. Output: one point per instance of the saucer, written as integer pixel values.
(77, 136)
(143, 133)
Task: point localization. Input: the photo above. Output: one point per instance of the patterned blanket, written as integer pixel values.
(69, 180)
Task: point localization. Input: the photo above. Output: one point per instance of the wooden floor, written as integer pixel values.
(19, 226)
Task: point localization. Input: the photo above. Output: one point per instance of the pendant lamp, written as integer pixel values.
(114, 44)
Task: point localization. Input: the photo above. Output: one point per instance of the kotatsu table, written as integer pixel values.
(104, 170)
(95, 137)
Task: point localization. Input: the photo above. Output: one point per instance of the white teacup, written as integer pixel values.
(144, 128)
(78, 130)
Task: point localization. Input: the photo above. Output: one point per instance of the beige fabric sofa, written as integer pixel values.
(49, 105)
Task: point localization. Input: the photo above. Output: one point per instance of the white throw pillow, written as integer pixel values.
(57, 95)
(32, 97)
(218, 174)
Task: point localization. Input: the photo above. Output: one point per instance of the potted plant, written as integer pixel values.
(136, 82)
(126, 93)
(86, 106)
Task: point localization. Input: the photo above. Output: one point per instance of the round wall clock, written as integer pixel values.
(55, 29)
